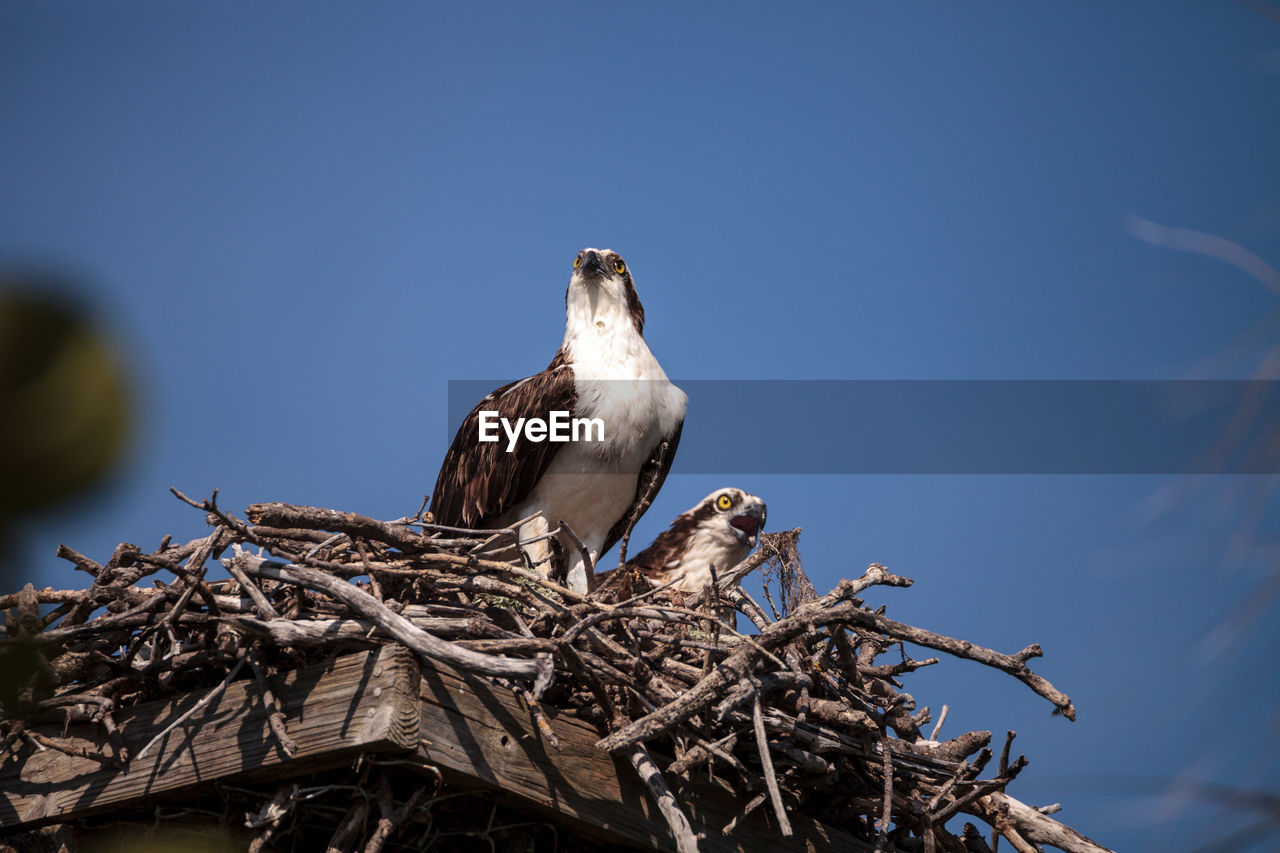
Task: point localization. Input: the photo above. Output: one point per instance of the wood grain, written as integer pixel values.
(482, 737)
(365, 702)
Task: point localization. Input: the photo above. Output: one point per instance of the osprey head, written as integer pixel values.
(742, 515)
(601, 292)
(719, 532)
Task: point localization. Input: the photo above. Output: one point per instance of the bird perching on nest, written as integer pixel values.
(596, 481)
(718, 532)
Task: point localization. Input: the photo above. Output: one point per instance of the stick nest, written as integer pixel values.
(805, 715)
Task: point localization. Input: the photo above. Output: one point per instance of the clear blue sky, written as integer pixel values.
(302, 220)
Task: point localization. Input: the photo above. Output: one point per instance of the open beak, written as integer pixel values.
(750, 523)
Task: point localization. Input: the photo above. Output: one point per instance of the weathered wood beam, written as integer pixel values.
(480, 736)
(365, 702)
(483, 737)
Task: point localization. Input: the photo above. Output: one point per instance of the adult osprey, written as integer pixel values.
(720, 531)
(603, 370)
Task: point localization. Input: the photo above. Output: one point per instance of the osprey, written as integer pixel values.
(599, 483)
(720, 531)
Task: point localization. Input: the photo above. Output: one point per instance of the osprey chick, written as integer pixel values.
(603, 370)
(721, 530)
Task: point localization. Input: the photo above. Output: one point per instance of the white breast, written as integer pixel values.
(718, 545)
(591, 485)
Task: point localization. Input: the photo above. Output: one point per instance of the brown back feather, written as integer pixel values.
(672, 541)
(478, 481)
(652, 475)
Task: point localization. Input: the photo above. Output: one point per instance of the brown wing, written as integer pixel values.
(671, 543)
(652, 475)
(479, 481)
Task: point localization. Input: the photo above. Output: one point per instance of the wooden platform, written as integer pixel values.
(384, 701)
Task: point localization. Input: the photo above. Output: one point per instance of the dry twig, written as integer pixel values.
(798, 716)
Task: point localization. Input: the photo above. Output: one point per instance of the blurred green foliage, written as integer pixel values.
(65, 400)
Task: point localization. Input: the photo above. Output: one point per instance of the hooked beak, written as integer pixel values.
(750, 523)
(592, 266)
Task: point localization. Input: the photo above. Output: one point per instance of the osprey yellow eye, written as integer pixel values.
(619, 266)
(724, 502)
(577, 262)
